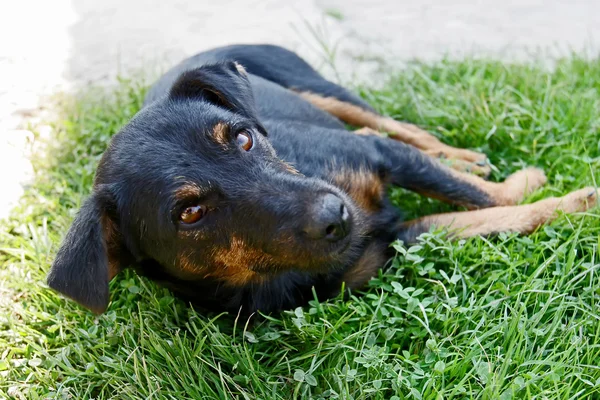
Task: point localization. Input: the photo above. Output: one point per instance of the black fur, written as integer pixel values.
(258, 207)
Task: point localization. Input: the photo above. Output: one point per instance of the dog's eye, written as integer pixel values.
(244, 139)
(192, 214)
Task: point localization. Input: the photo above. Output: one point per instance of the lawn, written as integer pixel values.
(500, 318)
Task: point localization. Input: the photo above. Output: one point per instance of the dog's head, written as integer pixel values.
(193, 185)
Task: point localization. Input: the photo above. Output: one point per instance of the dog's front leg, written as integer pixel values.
(411, 169)
(459, 159)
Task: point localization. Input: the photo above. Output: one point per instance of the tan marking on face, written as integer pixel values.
(235, 263)
(364, 187)
(240, 68)
(400, 131)
(185, 264)
(235, 273)
(187, 190)
(366, 267)
(520, 219)
(221, 134)
(290, 168)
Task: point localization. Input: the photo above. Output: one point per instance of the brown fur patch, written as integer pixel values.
(347, 112)
(366, 267)
(364, 187)
(236, 261)
(520, 219)
(221, 134)
(187, 266)
(114, 247)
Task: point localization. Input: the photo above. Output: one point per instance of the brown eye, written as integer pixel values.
(192, 214)
(244, 139)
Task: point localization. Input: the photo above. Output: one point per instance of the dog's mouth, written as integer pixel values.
(342, 248)
(316, 256)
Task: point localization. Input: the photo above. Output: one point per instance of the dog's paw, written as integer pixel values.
(367, 132)
(454, 153)
(474, 157)
(462, 160)
(519, 185)
(578, 201)
(526, 181)
(467, 167)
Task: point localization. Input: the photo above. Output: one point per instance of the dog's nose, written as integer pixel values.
(328, 219)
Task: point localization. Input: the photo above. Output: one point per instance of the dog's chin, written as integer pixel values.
(343, 254)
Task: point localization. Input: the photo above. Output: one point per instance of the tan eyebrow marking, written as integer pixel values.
(186, 191)
(240, 68)
(221, 133)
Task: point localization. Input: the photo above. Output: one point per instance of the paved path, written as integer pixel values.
(56, 45)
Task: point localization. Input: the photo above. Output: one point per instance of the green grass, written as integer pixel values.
(509, 317)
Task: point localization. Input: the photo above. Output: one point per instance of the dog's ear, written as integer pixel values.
(224, 84)
(91, 254)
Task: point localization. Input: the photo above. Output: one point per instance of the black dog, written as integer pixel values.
(238, 185)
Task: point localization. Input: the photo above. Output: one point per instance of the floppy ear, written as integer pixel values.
(224, 84)
(91, 254)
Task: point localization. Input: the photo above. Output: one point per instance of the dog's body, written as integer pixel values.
(238, 185)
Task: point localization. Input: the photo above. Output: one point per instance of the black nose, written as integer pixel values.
(328, 219)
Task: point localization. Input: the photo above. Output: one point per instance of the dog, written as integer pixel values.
(239, 186)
